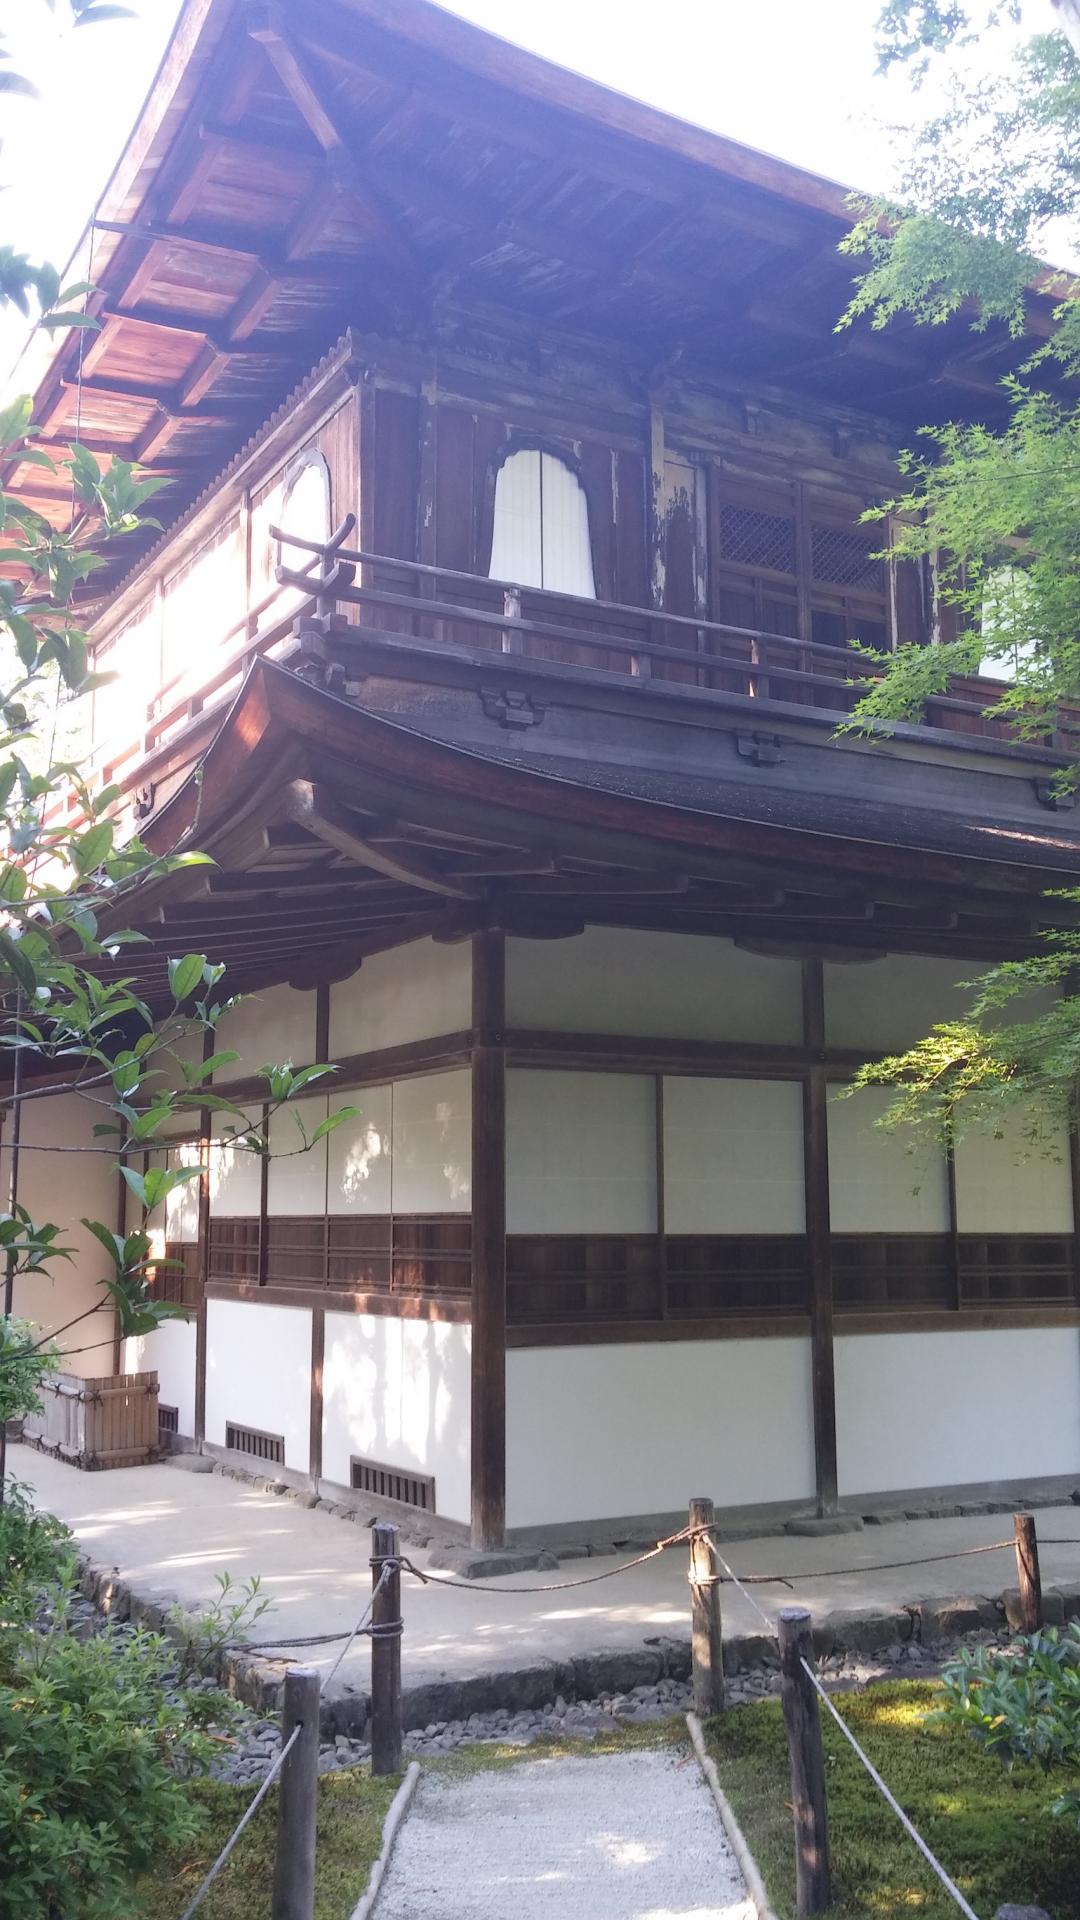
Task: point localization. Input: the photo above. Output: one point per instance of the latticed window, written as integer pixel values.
(750, 537)
(789, 561)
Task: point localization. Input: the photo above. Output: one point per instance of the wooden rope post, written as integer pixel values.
(803, 1723)
(706, 1646)
(1028, 1578)
(294, 1865)
(386, 1735)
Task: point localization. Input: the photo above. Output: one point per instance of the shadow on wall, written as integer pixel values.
(397, 1391)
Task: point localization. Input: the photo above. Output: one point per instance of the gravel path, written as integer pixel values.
(628, 1836)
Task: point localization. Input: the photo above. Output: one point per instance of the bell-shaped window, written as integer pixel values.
(540, 536)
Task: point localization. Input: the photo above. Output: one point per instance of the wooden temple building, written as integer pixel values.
(495, 648)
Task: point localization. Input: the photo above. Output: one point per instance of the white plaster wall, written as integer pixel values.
(296, 1176)
(267, 1029)
(681, 985)
(235, 1170)
(580, 1152)
(942, 1409)
(398, 1391)
(61, 1189)
(1004, 1187)
(875, 1184)
(733, 1156)
(894, 1001)
(413, 993)
(599, 1432)
(359, 1152)
(258, 1372)
(171, 1350)
(431, 1151)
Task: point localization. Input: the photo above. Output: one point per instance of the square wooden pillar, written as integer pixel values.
(489, 1241)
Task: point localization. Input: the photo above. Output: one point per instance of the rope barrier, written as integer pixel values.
(249, 1812)
(910, 1829)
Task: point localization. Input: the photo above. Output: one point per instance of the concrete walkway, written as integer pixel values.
(170, 1532)
(629, 1836)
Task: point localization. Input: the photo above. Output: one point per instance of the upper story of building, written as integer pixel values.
(555, 379)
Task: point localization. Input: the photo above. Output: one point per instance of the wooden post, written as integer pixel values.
(294, 1865)
(488, 1070)
(706, 1647)
(801, 1718)
(512, 640)
(385, 1653)
(1027, 1572)
(819, 1238)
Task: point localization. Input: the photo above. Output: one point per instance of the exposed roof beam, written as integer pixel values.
(267, 26)
(318, 813)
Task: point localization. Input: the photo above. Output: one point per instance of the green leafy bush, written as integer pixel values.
(34, 1551)
(99, 1738)
(1023, 1702)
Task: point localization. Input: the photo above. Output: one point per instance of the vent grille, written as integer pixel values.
(752, 538)
(264, 1446)
(390, 1483)
(845, 559)
(168, 1419)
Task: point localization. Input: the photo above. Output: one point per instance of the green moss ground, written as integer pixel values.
(991, 1829)
(352, 1808)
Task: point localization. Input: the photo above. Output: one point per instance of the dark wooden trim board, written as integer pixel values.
(392, 1306)
(489, 1242)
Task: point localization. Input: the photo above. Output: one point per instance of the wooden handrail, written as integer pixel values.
(837, 675)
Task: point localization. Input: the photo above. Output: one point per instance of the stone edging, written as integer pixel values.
(399, 1807)
(256, 1678)
(755, 1886)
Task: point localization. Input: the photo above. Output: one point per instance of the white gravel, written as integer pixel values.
(628, 1836)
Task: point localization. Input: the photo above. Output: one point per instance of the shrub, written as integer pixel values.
(34, 1551)
(98, 1740)
(1023, 1702)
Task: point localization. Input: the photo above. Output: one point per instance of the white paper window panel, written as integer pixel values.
(875, 1184)
(134, 656)
(413, 993)
(1001, 1187)
(733, 1156)
(201, 604)
(235, 1170)
(431, 1150)
(296, 1176)
(267, 1029)
(540, 533)
(580, 1152)
(305, 511)
(678, 985)
(359, 1153)
(182, 1204)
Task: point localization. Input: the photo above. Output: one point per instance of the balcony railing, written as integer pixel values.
(409, 606)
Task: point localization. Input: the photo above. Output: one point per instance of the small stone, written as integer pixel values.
(1021, 1913)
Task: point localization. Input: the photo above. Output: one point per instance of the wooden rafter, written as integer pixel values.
(318, 813)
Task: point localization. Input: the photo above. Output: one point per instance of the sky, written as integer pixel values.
(795, 77)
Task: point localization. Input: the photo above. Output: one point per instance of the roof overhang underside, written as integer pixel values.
(320, 164)
(337, 833)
